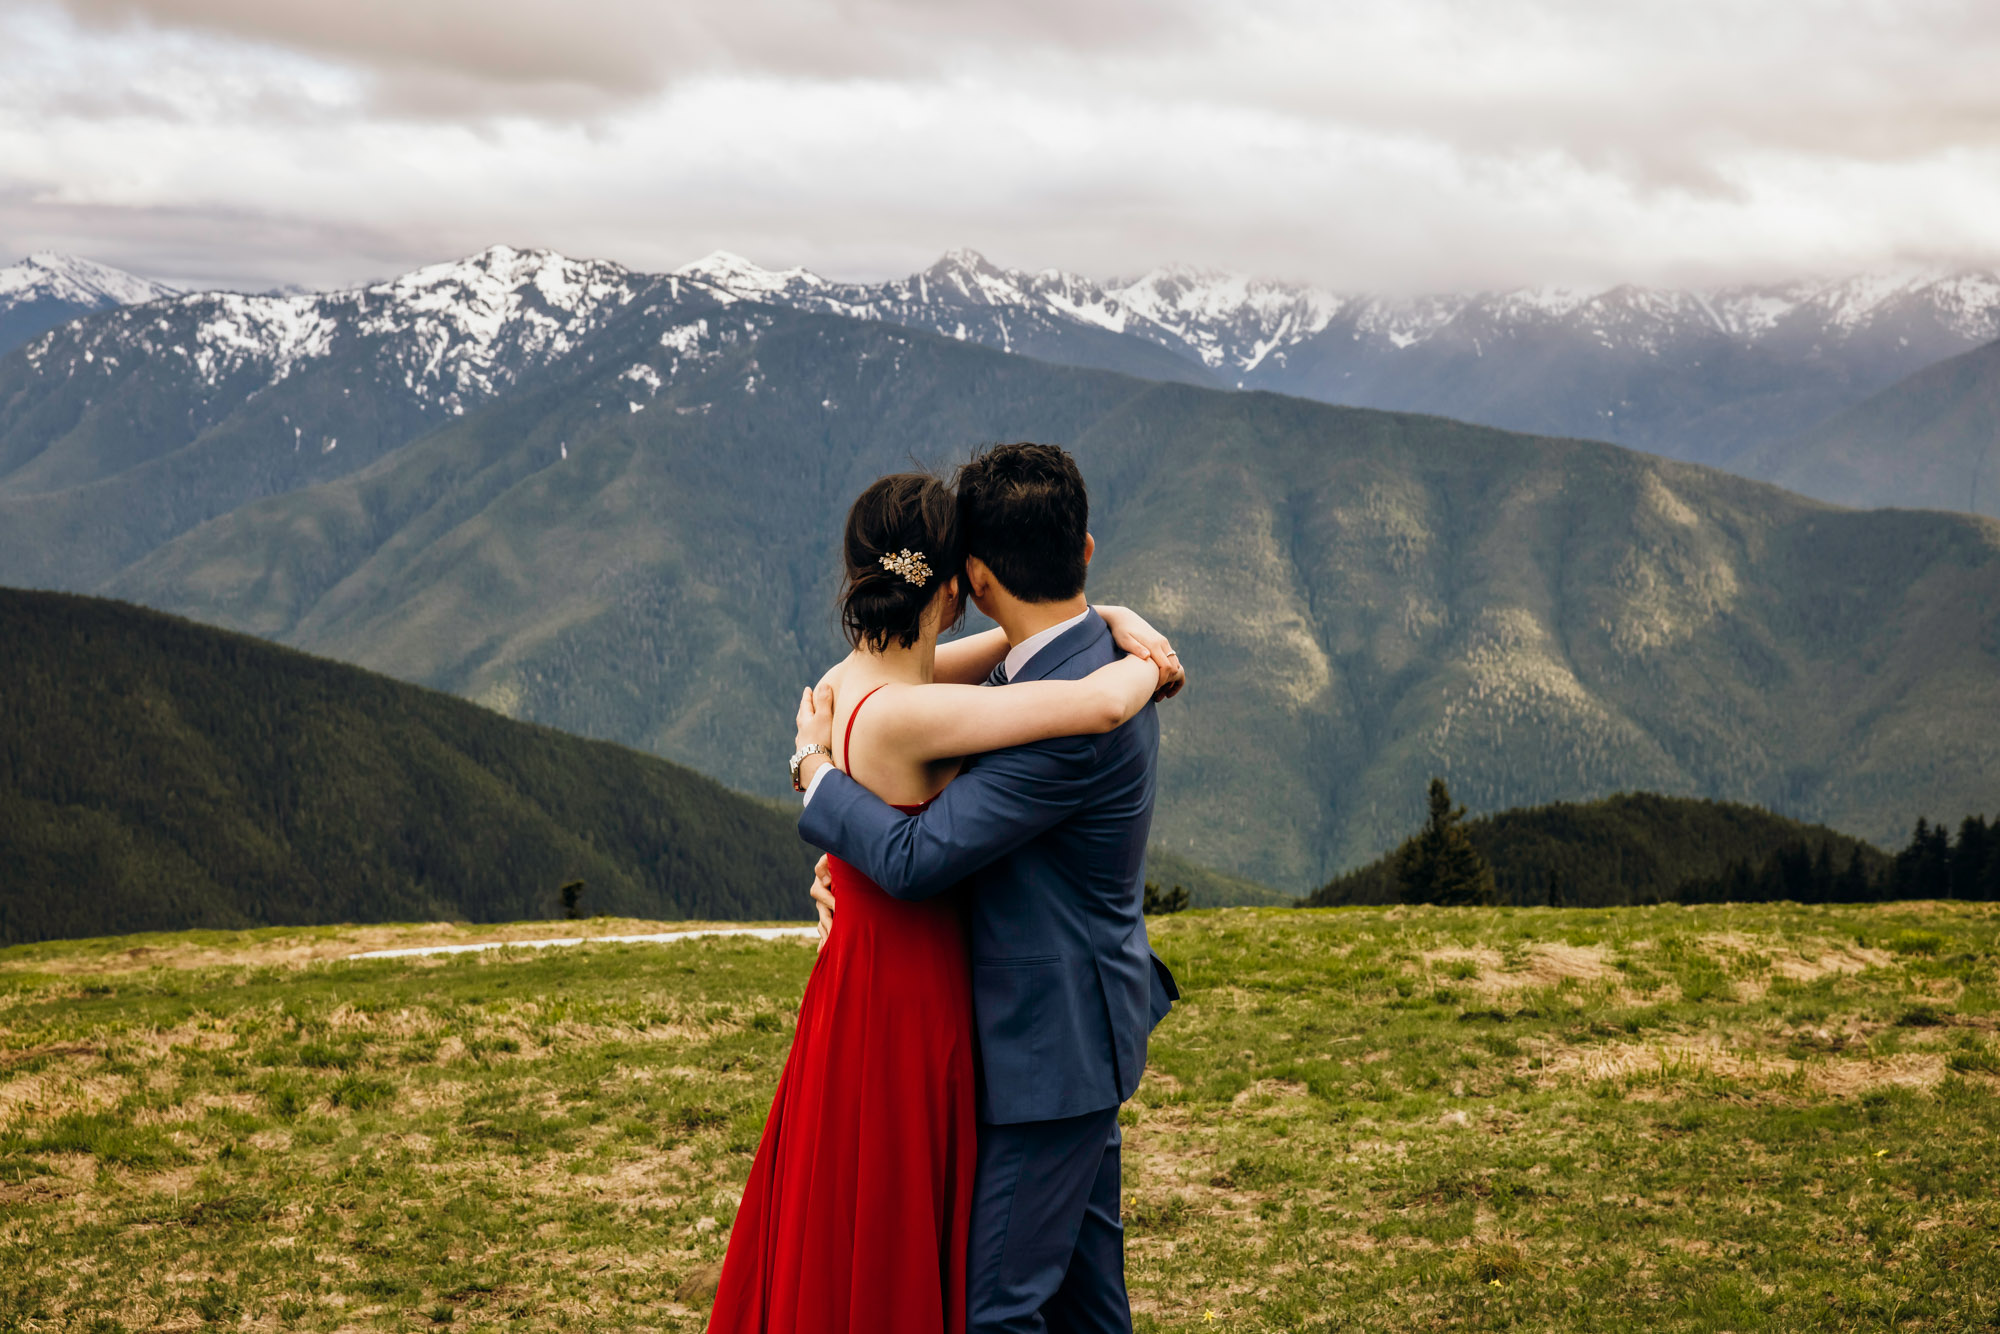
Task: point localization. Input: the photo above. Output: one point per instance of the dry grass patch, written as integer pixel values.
(283, 947)
(1544, 964)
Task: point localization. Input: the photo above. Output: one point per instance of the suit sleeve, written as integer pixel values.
(1004, 800)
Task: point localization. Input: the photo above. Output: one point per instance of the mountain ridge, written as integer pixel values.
(1715, 375)
(1368, 598)
(1704, 375)
(1930, 441)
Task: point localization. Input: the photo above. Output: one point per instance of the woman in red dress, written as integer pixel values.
(854, 1218)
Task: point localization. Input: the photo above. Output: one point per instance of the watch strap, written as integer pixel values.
(799, 758)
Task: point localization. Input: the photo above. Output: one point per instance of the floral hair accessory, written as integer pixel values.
(910, 564)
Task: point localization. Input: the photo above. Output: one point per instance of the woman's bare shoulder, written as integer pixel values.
(834, 674)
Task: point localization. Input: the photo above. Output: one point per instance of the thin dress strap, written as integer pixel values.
(847, 742)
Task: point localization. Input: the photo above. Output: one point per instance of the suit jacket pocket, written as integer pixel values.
(1016, 1000)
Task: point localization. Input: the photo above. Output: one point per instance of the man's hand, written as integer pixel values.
(1131, 633)
(822, 896)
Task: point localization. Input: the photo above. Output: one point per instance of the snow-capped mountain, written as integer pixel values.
(1714, 376)
(47, 288)
(448, 335)
(1236, 324)
(1701, 374)
(1053, 316)
(170, 412)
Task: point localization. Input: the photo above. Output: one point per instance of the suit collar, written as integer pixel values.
(1065, 646)
(1023, 653)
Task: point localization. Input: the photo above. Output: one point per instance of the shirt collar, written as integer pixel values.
(1024, 652)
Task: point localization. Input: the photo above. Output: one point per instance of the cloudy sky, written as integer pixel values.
(1377, 144)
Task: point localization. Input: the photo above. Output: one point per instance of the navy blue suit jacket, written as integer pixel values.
(1049, 840)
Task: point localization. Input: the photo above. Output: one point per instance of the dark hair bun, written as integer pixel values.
(905, 511)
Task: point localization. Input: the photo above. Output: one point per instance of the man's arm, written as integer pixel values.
(1000, 803)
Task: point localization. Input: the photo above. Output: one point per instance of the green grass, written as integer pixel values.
(1729, 1118)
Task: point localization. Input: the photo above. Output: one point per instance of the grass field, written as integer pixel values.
(1730, 1118)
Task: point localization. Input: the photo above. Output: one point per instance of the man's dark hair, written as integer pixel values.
(1022, 509)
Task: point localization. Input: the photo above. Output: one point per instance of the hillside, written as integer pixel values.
(1931, 441)
(156, 774)
(639, 547)
(1210, 888)
(1630, 848)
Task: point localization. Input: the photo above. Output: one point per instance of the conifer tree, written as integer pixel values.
(1440, 865)
(1969, 858)
(1853, 886)
(1821, 888)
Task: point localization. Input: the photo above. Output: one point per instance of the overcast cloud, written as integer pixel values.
(1413, 145)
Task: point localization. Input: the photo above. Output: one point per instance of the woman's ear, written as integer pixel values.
(946, 605)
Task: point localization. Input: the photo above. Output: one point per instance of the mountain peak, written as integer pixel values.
(744, 278)
(963, 259)
(51, 275)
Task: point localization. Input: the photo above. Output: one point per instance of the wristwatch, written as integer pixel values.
(799, 757)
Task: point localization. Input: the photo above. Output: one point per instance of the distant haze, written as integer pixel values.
(1381, 145)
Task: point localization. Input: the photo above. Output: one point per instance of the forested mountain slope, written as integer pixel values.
(156, 775)
(1931, 441)
(1630, 848)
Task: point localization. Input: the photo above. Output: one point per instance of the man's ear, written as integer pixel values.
(978, 578)
(1089, 548)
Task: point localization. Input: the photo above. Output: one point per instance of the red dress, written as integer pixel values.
(855, 1215)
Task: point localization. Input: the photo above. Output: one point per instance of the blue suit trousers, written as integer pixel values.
(1047, 1252)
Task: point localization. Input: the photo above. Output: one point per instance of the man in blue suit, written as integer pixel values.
(1049, 842)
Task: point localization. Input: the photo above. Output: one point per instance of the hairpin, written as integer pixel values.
(909, 564)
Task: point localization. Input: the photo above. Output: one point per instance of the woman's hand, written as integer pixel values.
(816, 718)
(822, 897)
(1131, 633)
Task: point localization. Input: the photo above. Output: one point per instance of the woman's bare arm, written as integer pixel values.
(969, 660)
(1133, 634)
(936, 722)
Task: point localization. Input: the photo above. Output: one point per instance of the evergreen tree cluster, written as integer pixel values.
(1626, 849)
(1931, 866)
(159, 775)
